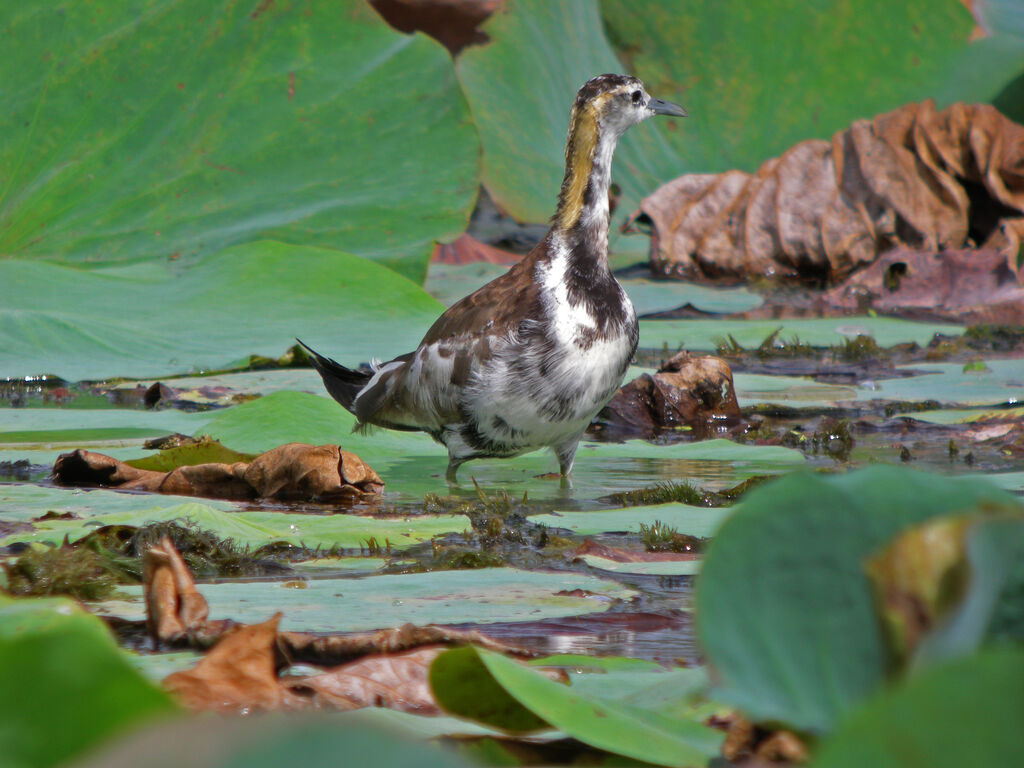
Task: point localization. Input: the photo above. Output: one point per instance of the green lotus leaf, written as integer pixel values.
(171, 129)
(786, 617)
(69, 687)
(965, 712)
(490, 688)
(757, 76)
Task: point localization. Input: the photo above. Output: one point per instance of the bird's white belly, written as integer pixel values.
(530, 397)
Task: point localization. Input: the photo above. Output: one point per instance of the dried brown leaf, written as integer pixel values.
(323, 473)
(239, 674)
(395, 681)
(913, 178)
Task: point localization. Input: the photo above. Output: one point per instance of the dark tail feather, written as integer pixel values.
(342, 383)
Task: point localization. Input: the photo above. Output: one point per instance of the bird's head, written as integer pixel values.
(615, 102)
(604, 108)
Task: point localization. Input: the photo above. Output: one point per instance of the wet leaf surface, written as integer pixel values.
(293, 471)
(440, 597)
(211, 301)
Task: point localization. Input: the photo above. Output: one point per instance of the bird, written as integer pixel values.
(526, 361)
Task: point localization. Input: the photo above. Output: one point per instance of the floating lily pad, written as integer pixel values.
(1002, 382)
(692, 521)
(438, 597)
(653, 568)
(794, 391)
(839, 62)
(139, 131)
(252, 527)
(965, 415)
(381, 738)
(819, 332)
(172, 320)
(786, 617)
(520, 87)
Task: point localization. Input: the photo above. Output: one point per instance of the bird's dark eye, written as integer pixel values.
(636, 96)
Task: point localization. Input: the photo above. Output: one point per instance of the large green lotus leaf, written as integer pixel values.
(166, 128)
(757, 76)
(520, 87)
(649, 296)
(786, 617)
(692, 521)
(966, 712)
(485, 686)
(818, 331)
(373, 738)
(1001, 382)
(67, 686)
(249, 299)
(248, 528)
(483, 595)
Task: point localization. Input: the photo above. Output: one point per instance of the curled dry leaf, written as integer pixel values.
(174, 606)
(695, 392)
(323, 473)
(913, 177)
(395, 681)
(239, 674)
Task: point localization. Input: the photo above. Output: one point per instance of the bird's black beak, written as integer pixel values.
(660, 107)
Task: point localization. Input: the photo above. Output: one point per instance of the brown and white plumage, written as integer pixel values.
(526, 361)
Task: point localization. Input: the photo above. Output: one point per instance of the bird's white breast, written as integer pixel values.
(547, 382)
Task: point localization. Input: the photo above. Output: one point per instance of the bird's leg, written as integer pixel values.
(566, 453)
(453, 467)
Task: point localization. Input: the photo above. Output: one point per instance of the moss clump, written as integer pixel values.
(858, 349)
(659, 537)
(683, 493)
(93, 566)
(457, 558)
(79, 572)
(998, 338)
(662, 493)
